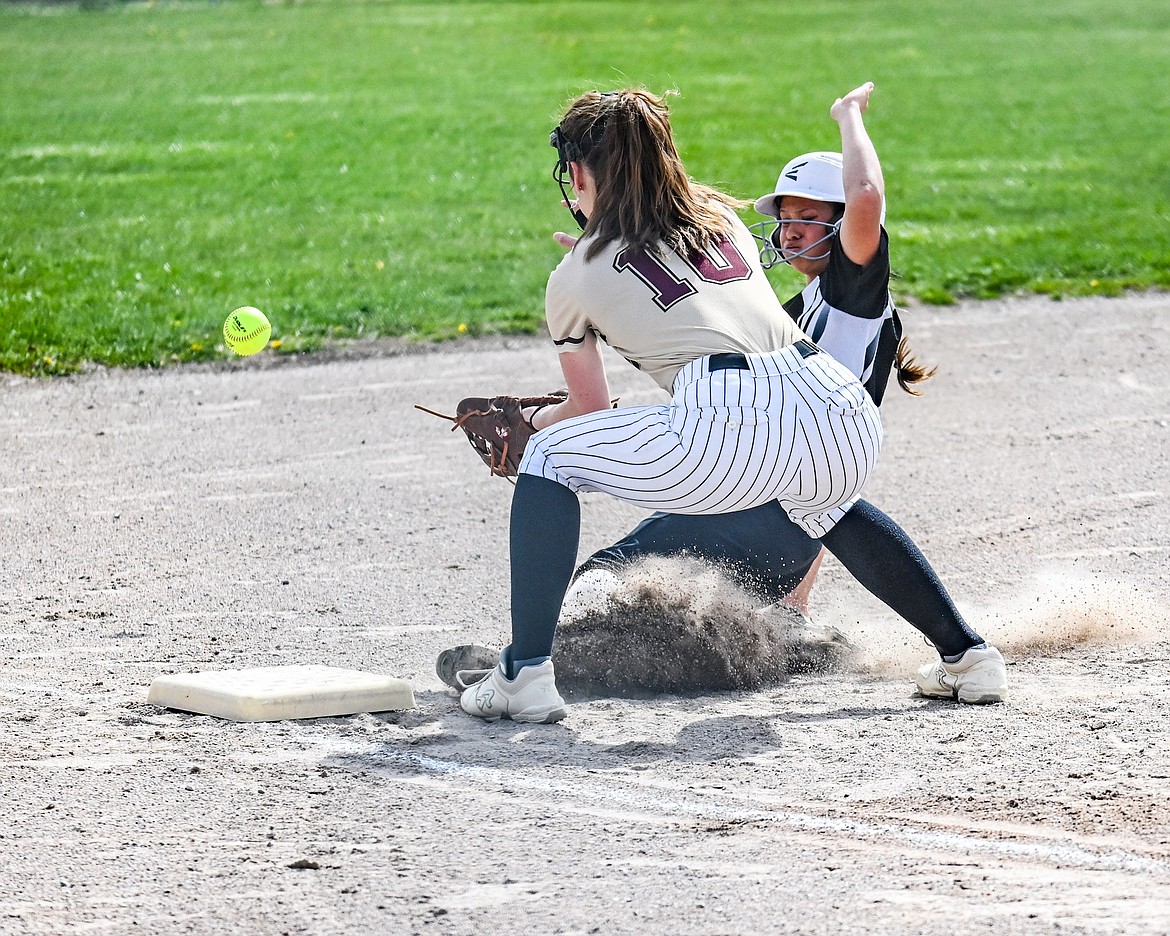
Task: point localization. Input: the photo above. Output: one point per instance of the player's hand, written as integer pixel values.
(568, 241)
(858, 97)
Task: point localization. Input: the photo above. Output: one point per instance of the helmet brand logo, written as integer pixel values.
(795, 171)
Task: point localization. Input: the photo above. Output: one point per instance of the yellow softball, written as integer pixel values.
(247, 330)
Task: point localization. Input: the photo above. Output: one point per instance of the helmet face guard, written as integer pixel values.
(817, 176)
(771, 253)
(567, 152)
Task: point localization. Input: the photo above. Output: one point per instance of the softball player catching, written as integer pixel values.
(667, 275)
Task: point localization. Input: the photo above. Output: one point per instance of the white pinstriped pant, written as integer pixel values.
(800, 430)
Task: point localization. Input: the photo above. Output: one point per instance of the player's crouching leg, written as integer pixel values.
(978, 677)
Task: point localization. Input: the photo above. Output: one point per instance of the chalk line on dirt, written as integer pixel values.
(658, 802)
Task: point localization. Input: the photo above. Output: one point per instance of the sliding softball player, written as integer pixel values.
(667, 275)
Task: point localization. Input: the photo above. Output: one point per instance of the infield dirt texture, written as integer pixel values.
(272, 511)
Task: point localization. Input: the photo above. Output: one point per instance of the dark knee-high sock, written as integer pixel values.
(545, 531)
(878, 553)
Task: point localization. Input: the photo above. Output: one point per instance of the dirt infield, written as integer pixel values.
(266, 512)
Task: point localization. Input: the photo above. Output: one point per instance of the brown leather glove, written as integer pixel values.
(496, 427)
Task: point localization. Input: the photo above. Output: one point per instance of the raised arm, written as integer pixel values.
(864, 187)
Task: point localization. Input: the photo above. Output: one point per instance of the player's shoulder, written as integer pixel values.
(839, 260)
(856, 289)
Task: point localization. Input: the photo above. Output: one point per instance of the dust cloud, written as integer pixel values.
(680, 625)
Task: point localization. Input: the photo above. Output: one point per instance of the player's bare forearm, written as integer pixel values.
(587, 383)
(862, 177)
(861, 167)
(548, 415)
(577, 405)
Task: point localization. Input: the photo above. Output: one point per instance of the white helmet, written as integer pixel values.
(818, 176)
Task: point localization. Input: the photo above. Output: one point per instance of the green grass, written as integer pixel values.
(381, 168)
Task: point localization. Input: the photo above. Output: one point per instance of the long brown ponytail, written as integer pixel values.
(644, 195)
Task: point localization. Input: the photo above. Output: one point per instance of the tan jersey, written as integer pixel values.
(660, 311)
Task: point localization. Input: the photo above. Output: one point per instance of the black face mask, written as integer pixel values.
(567, 152)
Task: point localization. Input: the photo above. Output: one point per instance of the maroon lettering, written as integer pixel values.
(723, 263)
(651, 270)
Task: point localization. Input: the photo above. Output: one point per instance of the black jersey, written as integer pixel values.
(849, 313)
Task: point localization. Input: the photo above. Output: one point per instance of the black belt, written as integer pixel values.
(733, 360)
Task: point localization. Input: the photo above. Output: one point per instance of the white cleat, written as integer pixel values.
(531, 697)
(979, 678)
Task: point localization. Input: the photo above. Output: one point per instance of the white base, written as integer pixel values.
(274, 693)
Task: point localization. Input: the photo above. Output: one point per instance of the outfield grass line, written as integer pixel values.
(283, 97)
(108, 149)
